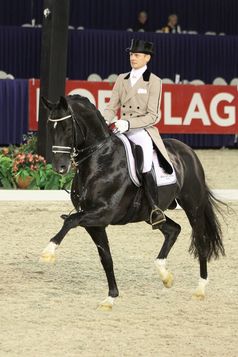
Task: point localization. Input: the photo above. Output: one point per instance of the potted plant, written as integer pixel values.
(26, 168)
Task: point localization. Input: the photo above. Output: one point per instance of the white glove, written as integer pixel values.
(121, 126)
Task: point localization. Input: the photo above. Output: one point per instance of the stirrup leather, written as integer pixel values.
(163, 219)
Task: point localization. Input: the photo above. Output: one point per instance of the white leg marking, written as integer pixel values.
(161, 265)
(199, 293)
(166, 277)
(50, 248)
(48, 254)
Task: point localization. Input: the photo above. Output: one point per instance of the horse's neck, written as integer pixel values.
(96, 133)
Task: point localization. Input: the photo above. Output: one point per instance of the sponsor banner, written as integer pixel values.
(205, 109)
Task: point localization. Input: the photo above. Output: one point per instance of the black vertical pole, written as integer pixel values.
(53, 64)
(33, 20)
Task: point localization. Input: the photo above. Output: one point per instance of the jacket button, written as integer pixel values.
(138, 107)
(130, 114)
(124, 114)
(130, 106)
(123, 106)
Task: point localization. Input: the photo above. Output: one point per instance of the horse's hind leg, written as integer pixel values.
(199, 293)
(198, 247)
(170, 230)
(198, 234)
(48, 254)
(99, 237)
(206, 233)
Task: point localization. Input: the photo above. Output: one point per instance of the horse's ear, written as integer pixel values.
(63, 103)
(47, 104)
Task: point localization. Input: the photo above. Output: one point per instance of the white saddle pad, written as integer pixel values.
(162, 178)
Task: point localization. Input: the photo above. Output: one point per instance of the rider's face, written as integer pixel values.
(138, 60)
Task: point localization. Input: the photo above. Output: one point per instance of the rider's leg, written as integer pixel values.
(142, 138)
(157, 215)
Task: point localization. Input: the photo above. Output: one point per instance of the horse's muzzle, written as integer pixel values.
(61, 165)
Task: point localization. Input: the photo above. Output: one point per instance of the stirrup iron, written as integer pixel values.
(163, 219)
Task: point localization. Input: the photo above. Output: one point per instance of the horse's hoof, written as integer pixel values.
(103, 307)
(169, 280)
(47, 258)
(198, 295)
(106, 305)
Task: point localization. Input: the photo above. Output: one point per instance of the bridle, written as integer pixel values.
(60, 149)
(77, 156)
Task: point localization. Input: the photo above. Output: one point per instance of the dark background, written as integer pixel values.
(198, 15)
(100, 49)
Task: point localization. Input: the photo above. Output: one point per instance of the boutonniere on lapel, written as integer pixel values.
(142, 91)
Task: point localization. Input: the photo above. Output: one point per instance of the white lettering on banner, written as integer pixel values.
(84, 93)
(102, 95)
(168, 119)
(230, 110)
(192, 113)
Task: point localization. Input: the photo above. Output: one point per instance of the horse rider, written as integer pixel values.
(137, 94)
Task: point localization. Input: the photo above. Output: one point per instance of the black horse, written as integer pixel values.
(103, 193)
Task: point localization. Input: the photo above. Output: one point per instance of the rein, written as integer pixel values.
(77, 156)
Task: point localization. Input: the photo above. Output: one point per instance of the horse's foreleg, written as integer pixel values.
(48, 254)
(199, 293)
(170, 230)
(99, 237)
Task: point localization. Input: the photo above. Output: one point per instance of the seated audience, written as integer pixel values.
(172, 25)
(142, 22)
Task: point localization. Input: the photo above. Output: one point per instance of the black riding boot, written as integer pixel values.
(157, 215)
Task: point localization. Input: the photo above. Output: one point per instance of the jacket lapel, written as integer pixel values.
(127, 84)
(141, 83)
(133, 90)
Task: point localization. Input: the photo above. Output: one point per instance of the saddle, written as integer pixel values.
(135, 162)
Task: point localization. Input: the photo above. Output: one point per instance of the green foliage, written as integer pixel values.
(6, 176)
(23, 161)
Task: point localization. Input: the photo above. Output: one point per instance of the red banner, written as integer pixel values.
(205, 109)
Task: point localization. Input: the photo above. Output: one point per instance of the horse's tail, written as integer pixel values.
(207, 233)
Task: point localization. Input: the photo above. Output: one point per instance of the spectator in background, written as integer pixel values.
(142, 22)
(172, 25)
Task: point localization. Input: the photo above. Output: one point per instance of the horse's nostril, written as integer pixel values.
(62, 169)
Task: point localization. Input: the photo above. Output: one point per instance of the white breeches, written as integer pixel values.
(142, 138)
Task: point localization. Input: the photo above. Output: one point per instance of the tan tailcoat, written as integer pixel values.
(140, 106)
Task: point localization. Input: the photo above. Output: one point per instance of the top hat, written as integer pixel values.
(139, 46)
